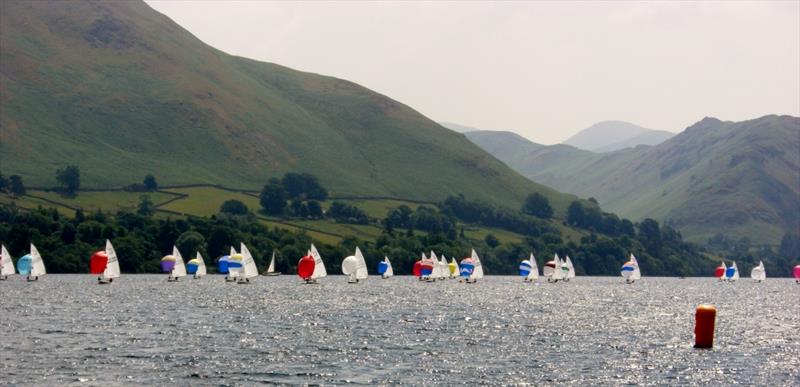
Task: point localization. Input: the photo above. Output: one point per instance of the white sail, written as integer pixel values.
(571, 271)
(435, 271)
(112, 267)
(201, 265)
(445, 270)
(37, 264)
(361, 265)
(233, 274)
(534, 274)
(477, 273)
(249, 269)
(554, 273)
(319, 266)
(179, 270)
(758, 273)
(637, 274)
(271, 268)
(389, 271)
(6, 263)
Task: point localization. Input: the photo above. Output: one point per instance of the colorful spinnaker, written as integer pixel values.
(732, 272)
(630, 270)
(426, 268)
(758, 273)
(311, 267)
(416, 270)
(453, 268)
(196, 266)
(528, 269)
(31, 265)
(466, 268)
(796, 273)
(174, 265)
(477, 271)
(385, 268)
(719, 272)
(6, 263)
(105, 263)
(552, 270)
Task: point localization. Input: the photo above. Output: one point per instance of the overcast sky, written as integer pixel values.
(542, 69)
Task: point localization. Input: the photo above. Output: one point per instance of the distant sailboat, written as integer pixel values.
(758, 273)
(196, 266)
(630, 270)
(443, 269)
(528, 269)
(385, 268)
(796, 273)
(271, 269)
(31, 265)
(427, 268)
(477, 270)
(355, 267)
(106, 264)
(6, 263)
(569, 269)
(232, 275)
(453, 268)
(437, 271)
(732, 273)
(173, 264)
(416, 270)
(249, 269)
(311, 268)
(720, 271)
(552, 270)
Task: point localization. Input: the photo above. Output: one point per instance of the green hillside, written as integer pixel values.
(121, 91)
(740, 179)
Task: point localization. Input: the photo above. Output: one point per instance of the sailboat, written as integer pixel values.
(444, 271)
(466, 268)
(758, 273)
(355, 267)
(436, 269)
(271, 269)
(570, 269)
(416, 270)
(196, 266)
(6, 263)
(528, 269)
(796, 273)
(732, 273)
(477, 272)
(249, 269)
(427, 266)
(453, 268)
(106, 264)
(31, 265)
(630, 270)
(552, 270)
(385, 268)
(174, 265)
(232, 275)
(720, 271)
(311, 268)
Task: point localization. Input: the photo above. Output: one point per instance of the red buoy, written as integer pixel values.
(705, 318)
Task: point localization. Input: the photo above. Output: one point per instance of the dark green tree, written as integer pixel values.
(146, 206)
(150, 183)
(16, 186)
(233, 207)
(537, 205)
(491, 240)
(189, 243)
(273, 199)
(69, 179)
(314, 209)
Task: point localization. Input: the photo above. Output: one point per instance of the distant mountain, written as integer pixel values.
(608, 136)
(740, 179)
(457, 128)
(121, 91)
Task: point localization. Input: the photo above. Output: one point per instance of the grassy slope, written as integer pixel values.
(739, 179)
(121, 91)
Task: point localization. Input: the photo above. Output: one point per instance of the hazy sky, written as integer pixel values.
(542, 69)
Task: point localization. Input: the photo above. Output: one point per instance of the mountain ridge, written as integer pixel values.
(612, 135)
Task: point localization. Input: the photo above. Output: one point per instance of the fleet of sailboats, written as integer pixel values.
(241, 267)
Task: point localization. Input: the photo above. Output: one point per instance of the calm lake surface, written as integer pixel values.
(142, 330)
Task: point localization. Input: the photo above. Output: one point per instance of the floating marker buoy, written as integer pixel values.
(705, 317)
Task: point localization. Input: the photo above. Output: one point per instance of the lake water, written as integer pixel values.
(142, 330)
